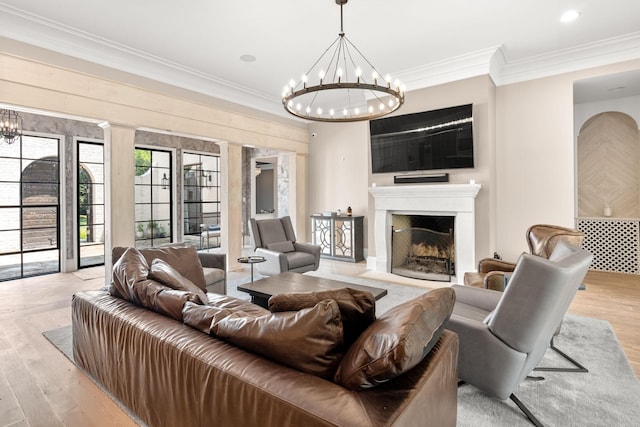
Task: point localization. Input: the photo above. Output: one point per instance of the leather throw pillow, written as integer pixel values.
(397, 341)
(131, 267)
(357, 308)
(308, 340)
(169, 276)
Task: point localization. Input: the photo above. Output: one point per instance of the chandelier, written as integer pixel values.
(10, 126)
(342, 86)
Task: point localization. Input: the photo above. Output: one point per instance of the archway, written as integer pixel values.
(609, 167)
(608, 175)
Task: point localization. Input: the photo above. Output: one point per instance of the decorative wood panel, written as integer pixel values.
(614, 243)
(608, 166)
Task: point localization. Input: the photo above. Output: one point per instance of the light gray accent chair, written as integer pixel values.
(504, 335)
(275, 240)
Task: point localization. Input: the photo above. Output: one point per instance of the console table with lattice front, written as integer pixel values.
(614, 243)
(339, 236)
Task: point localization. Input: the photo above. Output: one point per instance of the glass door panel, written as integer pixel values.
(29, 207)
(91, 209)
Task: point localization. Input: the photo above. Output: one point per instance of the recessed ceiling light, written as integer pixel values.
(569, 16)
(247, 58)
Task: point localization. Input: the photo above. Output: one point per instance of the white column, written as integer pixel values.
(119, 171)
(231, 202)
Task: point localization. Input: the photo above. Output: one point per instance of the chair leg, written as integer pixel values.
(518, 403)
(578, 366)
(526, 411)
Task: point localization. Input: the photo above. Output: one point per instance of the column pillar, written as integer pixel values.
(298, 203)
(119, 174)
(231, 202)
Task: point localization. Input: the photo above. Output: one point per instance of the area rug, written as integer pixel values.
(607, 395)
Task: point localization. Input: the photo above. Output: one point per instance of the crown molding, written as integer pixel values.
(451, 69)
(603, 52)
(47, 34)
(50, 35)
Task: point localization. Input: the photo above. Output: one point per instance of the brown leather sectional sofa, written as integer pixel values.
(171, 374)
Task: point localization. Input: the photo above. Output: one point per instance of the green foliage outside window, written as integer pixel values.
(143, 161)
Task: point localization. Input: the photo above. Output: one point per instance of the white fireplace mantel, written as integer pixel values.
(457, 200)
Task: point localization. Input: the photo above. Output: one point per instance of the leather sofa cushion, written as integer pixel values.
(235, 304)
(284, 247)
(397, 341)
(162, 299)
(308, 340)
(130, 281)
(184, 259)
(131, 267)
(201, 317)
(357, 308)
(167, 275)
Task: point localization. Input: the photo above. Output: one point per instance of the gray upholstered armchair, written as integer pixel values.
(504, 335)
(276, 241)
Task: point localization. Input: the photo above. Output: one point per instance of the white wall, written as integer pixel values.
(525, 157)
(535, 155)
(338, 164)
(340, 168)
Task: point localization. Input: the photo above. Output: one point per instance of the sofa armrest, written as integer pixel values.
(276, 262)
(311, 249)
(213, 260)
(216, 281)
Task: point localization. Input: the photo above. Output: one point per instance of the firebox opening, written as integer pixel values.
(422, 247)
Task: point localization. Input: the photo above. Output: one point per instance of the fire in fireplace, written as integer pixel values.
(423, 247)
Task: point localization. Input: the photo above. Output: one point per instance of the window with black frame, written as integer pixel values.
(153, 200)
(91, 227)
(201, 199)
(29, 207)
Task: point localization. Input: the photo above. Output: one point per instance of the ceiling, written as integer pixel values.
(199, 45)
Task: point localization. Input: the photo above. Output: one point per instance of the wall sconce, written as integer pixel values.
(206, 179)
(164, 181)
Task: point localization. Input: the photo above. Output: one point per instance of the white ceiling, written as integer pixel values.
(197, 44)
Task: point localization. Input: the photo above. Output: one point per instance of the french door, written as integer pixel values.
(29, 207)
(90, 191)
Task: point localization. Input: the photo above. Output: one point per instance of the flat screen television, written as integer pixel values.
(431, 140)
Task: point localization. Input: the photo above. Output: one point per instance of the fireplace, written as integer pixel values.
(422, 247)
(444, 200)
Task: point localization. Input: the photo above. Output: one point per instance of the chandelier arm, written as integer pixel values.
(323, 54)
(360, 53)
(336, 56)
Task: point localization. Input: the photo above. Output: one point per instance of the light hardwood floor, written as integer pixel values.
(40, 387)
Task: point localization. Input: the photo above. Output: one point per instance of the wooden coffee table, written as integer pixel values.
(290, 283)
